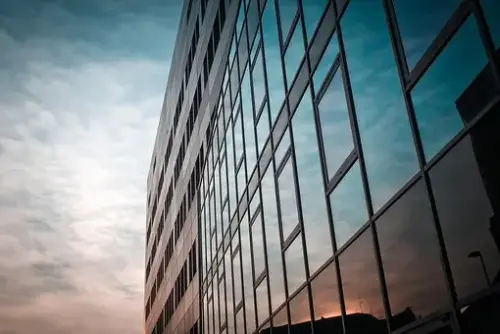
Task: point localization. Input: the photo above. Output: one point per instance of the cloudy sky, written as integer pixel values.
(82, 84)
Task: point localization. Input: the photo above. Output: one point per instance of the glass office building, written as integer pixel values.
(328, 166)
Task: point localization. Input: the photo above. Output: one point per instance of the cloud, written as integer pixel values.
(78, 117)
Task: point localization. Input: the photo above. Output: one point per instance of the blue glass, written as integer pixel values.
(259, 85)
(420, 22)
(248, 122)
(314, 212)
(241, 19)
(288, 10)
(325, 63)
(288, 201)
(262, 129)
(348, 206)
(294, 54)
(313, 10)
(388, 147)
(335, 127)
(491, 10)
(238, 137)
(275, 81)
(436, 94)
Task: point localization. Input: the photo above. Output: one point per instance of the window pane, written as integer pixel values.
(241, 18)
(312, 13)
(283, 146)
(258, 246)
(300, 315)
(385, 131)
(288, 10)
(238, 137)
(229, 291)
(248, 123)
(263, 129)
(273, 60)
(222, 299)
(262, 302)
(294, 54)
(491, 9)
(259, 88)
(237, 278)
(242, 181)
(280, 321)
(466, 187)
(420, 22)
(335, 126)
(246, 261)
(314, 212)
(325, 294)
(361, 286)
(294, 257)
(435, 96)
(274, 259)
(288, 201)
(231, 171)
(326, 62)
(223, 174)
(348, 206)
(240, 322)
(410, 256)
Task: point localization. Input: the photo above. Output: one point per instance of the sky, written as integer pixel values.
(82, 84)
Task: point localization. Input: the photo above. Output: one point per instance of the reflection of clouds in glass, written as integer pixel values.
(294, 54)
(385, 131)
(246, 262)
(275, 263)
(312, 13)
(335, 126)
(328, 57)
(258, 82)
(325, 293)
(288, 10)
(248, 123)
(360, 281)
(436, 93)
(294, 258)
(262, 302)
(348, 206)
(258, 246)
(418, 25)
(491, 9)
(314, 212)
(299, 307)
(288, 202)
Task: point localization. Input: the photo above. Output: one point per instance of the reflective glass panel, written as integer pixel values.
(348, 206)
(241, 18)
(238, 137)
(361, 286)
(237, 278)
(240, 322)
(248, 123)
(259, 86)
(466, 188)
(294, 54)
(335, 126)
(309, 173)
(275, 262)
(280, 320)
(222, 298)
(436, 97)
(288, 201)
(263, 129)
(288, 10)
(283, 146)
(294, 258)
(300, 314)
(273, 60)
(325, 294)
(258, 246)
(242, 181)
(229, 291)
(231, 177)
(410, 256)
(246, 262)
(381, 112)
(312, 14)
(420, 22)
(223, 176)
(262, 302)
(326, 62)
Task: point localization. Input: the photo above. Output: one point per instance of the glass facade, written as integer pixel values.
(349, 180)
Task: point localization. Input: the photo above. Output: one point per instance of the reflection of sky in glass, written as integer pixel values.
(238, 286)
(289, 216)
(309, 173)
(419, 23)
(258, 82)
(299, 307)
(327, 59)
(313, 9)
(222, 296)
(248, 124)
(275, 263)
(246, 262)
(385, 131)
(258, 246)
(229, 290)
(262, 302)
(230, 169)
(294, 258)
(263, 129)
(435, 94)
(242, 181)
(288, 10)
(273, 60)
(324, 289)
(348, 206)
(294, 54)
(241, 18)
(238, 137)
(335, 127)
(283, 146)
(491, 9)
